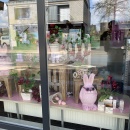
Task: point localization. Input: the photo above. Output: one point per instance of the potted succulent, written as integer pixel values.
(26, 82)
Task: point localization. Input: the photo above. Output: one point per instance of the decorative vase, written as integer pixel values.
(26, 96)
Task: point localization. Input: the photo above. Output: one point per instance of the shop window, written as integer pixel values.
(64, 13)
(22, 13)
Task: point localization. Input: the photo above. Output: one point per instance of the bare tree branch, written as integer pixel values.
(109, 8)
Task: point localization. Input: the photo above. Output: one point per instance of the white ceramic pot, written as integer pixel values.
(26, 96)
(55, 47)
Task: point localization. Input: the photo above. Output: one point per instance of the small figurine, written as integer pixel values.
(88, 93)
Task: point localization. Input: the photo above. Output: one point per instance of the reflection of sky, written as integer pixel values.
(94, 19)
(4, 17)
(4, 0)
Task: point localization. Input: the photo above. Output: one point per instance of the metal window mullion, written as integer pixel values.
(43, 63)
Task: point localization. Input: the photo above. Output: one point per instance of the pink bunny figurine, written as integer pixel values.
(88, 94)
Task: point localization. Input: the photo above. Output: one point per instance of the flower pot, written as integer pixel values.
(26, 96)
(55, 47)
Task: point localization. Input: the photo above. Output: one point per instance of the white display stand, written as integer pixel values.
(115, 121)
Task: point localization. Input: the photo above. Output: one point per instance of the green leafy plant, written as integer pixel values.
(105, 93)
(56, 35)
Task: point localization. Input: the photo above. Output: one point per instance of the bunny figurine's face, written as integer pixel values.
(88, 93)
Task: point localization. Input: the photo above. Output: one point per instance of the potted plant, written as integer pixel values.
(105, 93)
(55, 39)
(26, 82)
(54, 43)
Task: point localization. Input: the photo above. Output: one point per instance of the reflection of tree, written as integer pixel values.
(110, 8)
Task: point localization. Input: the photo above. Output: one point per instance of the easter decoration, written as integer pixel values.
(88, 93)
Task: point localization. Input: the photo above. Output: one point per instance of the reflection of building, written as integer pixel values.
(76, 12)
(103, 27)
(22, 19)
(5, 31)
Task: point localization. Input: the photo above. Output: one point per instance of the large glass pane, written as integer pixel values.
(20, 86)
(88, 64)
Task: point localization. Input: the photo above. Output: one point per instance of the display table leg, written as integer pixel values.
(17, 110)
(10, 115)
(16, 85)
(69, 80)
(62, 118)
(21, 117)
(117, 124)
(8, 86)
(62, 80)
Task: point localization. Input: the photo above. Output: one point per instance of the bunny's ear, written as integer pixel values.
(91, 78)
(85, 79)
